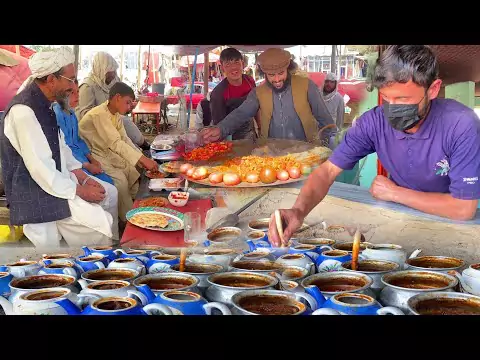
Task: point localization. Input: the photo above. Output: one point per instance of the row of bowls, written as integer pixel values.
(206, 287)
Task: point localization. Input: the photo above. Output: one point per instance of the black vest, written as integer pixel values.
(27, 201)
(207, 114)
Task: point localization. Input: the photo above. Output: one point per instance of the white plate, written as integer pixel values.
(163, 184)
(161, 147)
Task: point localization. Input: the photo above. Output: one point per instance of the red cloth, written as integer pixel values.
(235, 92)
(11, 78)
(24, 51)
(134, 235)
(355, 89)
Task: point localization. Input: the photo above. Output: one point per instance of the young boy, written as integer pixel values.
(103, 131)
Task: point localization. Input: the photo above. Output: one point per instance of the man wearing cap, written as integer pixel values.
(333, 99)
(47, 191)
(290, 105)
(429, 146)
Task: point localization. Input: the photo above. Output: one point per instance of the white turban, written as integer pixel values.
(102, 64)
(331, 76)
(45, 63)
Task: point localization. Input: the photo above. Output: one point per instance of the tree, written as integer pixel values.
(38, 48)
(363, 49)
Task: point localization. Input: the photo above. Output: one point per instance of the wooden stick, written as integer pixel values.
(278, 221)
(183, 257)
(356, 249)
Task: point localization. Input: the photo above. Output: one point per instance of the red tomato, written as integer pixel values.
(231, 179)
(216, 178)
(268, 175)
(252, 178)
(294, 172)
(282, 175)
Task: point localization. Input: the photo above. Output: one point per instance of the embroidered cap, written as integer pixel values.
(274, 59)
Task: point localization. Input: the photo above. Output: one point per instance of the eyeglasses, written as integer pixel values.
(72, 80)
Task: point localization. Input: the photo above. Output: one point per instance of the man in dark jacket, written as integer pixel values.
(232, 92)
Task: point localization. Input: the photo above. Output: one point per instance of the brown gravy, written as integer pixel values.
(197, 269)
(106, 286)
(164, 257)
(44, 295)
(448, 307)
(410, 282)
(349, 246)
(100, 248)
(253, 265)
(111, 275)
(224, 235)
(41, 282)
(292, 274)
(430, 262)
(220, 252)
(338, 284)
(91, 258)
(22, 263)
(316, 242)
(242, 281)
(114, 305)
(167, 283)
(292, 256)
(371, 267)
(124, 260)
(58, 266)
(269, 305)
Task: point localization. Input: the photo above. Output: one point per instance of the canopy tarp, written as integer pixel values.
(24, 51)
(184, 50)
(355, 89)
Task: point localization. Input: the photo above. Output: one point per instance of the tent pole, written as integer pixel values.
(121, 62)
(206, 73)
(76, 51)
(17, 49)
(192, 87)
(139, 70)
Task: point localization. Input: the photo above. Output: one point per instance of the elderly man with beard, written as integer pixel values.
(95, 90)
(334, 100)
(47, 191)
(290, 105)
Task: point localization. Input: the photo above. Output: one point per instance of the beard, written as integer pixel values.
(286, 83)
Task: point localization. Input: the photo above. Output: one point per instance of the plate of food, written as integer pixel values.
(153, 202)
(250, 171)
(172, 167)
(155, 175)
(156, 218)
(161, 147)
(168, 184)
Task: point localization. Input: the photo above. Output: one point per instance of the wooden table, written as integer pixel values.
(145, 108)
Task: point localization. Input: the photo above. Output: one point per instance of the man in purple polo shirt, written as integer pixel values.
(429, 146)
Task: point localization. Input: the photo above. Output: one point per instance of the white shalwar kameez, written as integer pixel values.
(89, 223)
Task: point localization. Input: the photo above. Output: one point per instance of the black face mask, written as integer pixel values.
(403, 117)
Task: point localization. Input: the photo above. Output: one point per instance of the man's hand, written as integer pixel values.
(148, 164)
(93, 194)
(92, 168)
(383, 188)
(92, 182)
(292, 219)
(211, 134)
(80, 174)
